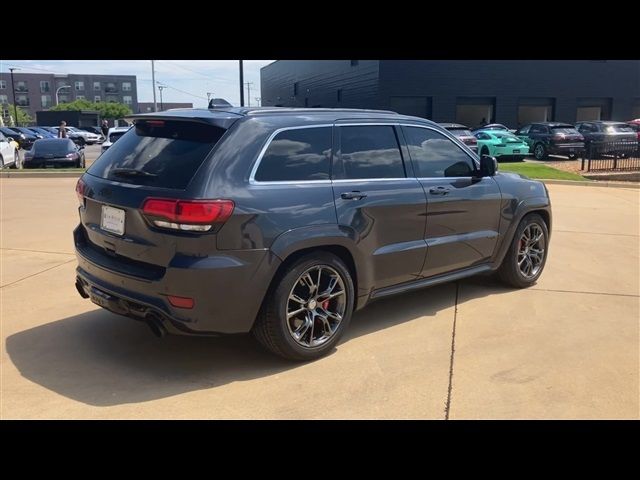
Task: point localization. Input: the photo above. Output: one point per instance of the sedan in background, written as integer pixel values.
(9, 155)
(501, 144)
(493, 126)
(42, 132)
(463, 133)
(54, 152)
(553, 138)
(25, 141)
(114, 134)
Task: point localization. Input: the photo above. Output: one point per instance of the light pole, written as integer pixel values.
(153, 85)
(241, 84)
(257, 99)
(13, 89)
(161, 87)
(58, 91)
(248, 84)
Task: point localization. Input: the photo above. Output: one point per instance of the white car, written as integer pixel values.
(80, 136)
(9, 155)
(112, 135)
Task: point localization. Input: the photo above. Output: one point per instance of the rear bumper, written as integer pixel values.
(566, 148)
(227, 289)
(50, 163)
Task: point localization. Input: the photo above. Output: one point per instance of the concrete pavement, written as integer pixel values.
(566, 348)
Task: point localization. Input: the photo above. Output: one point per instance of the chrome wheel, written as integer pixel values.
(316, 306)
(531, 250)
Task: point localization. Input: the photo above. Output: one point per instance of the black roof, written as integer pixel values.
(602, 122)
(455, 126)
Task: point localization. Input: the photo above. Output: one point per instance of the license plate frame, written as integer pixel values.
(112, 220)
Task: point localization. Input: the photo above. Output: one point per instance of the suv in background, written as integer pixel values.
(598, 134)
(553, 138)
(282, 222)
(463, 133)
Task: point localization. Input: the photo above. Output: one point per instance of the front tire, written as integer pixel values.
(527, 254)
(539, 151)
(307, 309)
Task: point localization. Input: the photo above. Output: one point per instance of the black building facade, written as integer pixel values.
(513, 92)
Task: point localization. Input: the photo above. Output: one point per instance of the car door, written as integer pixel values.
(6, 150)
(463, 211)
(379, 200)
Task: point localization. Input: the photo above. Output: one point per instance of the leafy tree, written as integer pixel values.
(106, 109)
(23, 117)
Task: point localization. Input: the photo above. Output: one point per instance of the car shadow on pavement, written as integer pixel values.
(102, 359)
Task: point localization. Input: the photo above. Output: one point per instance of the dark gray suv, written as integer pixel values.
(282, 222)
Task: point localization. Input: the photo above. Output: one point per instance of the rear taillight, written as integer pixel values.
(187, 215)
(80, 189)
(181, 302)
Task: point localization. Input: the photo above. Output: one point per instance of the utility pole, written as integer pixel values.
(161, 87)
(249, 93)
(241, 85)
(153, 86)
(13, 89)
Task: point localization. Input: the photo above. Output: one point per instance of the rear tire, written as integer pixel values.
(289, 327)
(525, 260)
(539, 151)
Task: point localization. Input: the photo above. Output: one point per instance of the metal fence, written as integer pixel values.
(619, 156)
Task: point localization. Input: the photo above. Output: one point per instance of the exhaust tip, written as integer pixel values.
(155, 324)
(80, 289)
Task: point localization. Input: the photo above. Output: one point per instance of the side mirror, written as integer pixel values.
(488, 166)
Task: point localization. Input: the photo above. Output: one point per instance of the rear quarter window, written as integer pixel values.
(167, 153)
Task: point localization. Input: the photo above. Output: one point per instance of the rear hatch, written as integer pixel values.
(465, 136)
(157, 158)
(566, 135)
(620, 132)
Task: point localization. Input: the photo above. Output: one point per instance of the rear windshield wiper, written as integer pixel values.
(131, 172)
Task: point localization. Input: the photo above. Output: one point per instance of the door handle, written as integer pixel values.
(439, 190)
(355, 195)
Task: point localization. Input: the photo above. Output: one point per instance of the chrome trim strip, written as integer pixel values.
(365, 180)
(253, 181)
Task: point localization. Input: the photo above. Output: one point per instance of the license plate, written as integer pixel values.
(516, 151)
(112, 220)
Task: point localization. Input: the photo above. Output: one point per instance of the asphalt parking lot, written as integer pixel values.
(566, 348)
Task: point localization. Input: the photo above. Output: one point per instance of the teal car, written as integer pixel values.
(500, 143)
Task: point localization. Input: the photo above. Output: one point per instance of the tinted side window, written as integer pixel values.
(434, 155)
(301, 154)
(538, 129)
(524, 130)
(369, 152)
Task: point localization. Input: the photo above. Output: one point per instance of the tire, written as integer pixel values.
(572, 156)
(275, 331)
(510, 271)
(539, 151)
(18, 161)
(1, 161)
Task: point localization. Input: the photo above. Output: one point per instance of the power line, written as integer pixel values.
(210, 77)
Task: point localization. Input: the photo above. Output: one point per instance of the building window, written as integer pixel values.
(295, 89)
(21, 86)
(354, 63)
(79, 85)
(97, 98)
(126, 99)
(44, 86)
(3, 84)
(110, 87)
(339, 95)
(96, 86)
(79, 97)
(22, 100)
(126, 86)
(3, 99)
(45, 100)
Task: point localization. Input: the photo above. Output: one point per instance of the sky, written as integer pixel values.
(186, 80)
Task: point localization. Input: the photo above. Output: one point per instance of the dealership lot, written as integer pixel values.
(566, 348)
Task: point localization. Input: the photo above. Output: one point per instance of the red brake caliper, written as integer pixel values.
(325, 304)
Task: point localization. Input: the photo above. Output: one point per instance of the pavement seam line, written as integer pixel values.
(35, 251)
(447, 408)
(37, 273)
(597, 233)
(584, 293)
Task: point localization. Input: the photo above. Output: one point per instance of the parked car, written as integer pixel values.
(27, 132)
(635, 125)
(493, 126)
(553, 138)
(9, 155)
(80, 137)
(463, 133)
(41, 132)
(234, 220)
(25, 141)
(112, 135)
(501, 144)
(620, 136)
(54, 152)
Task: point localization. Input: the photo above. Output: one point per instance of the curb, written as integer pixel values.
(593, 183)
(41, 175)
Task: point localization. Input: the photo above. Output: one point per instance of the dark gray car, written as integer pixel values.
(282, 222)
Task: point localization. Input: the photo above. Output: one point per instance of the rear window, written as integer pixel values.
(461, 132)
(571, 130)
(158, 153)
(620, 128)
(53, 147)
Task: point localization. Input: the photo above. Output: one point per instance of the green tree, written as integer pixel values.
(23, 117)
(106, 109)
